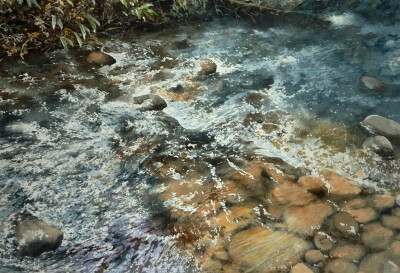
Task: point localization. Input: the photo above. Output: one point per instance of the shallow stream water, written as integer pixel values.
(139, 191)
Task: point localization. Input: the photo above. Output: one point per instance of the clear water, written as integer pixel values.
(75, 149)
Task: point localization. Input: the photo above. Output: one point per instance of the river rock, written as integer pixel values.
(150, 102)
(392, 222)
(292, 194)
(384, 201)
(314, 256)
(390, 267)
(364, 215)
(257, 99)
(345, 223)
(348, 252)
(340, 186)
(356, 203)
(300, 268)
(379, 145)
(376, 236)
(34, 236)
(373, 84)
(207, 67)
(260, 249)
(382, 126)
(373, 263)
(340, 266)
(394, 252)
(305, 220)
(100, 58)
(312, 184)
(323, 241)
(398, 200)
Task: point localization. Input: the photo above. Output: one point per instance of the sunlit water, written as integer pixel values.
(76, 150)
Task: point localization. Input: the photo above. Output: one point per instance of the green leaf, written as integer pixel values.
(87, 29)
(92, 21)
(64, 42)
(83, 31)
(36, 3)
(60, 10)
(78, 39)
(53, 21)
(124, 3)
(60, 23)
(126, 14)
(20, 2)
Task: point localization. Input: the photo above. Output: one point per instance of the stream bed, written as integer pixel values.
(256, 168)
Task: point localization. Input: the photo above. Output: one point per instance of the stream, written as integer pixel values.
(186, 188)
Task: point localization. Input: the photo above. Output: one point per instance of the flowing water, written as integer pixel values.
(148, 191)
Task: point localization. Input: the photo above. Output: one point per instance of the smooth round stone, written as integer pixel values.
(345, 223)
(382, 126)
(390, 267)
(373, 84)
(322, 241)
(398, 200)
(314, 256)
(300, 268)
(208, 67)
(340, 266)
(348, 252)
(379, 145)
(100, 58)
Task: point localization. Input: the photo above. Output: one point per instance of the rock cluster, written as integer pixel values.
(388, 133)
(271, 217)
(100, 58)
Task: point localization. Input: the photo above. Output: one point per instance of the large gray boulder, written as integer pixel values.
(382, 126)
(34, 236)
(379, 145)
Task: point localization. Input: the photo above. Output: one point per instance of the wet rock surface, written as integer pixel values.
(382, 126)
(35, 236)
(379, 145)
(373, 84)
(100, 58)
(208, 67)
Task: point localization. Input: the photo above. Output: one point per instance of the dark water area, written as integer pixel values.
(177, 189)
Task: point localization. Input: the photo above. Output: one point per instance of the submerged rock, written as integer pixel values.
(100, 58)
(390, 267)
(35, 237)
(364, 215)
(340, 186)
(207, 67)
(382, 126)
(340, 266)
(300, 268)
(150, 102)
(348, 252)
(323, 242)
(379, 145)
(373, 84)
(260, 249)
(376, 236)
(345, 223)
(314, 256)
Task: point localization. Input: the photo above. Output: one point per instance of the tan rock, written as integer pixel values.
(314, 256)
(305, 220)
(376, 236)
(383, 201)
(340, 266)
(356, 203)
(392, 222)
(235, 218)
(323, 241)
(394, 252)
(373, 263)
(292, 194)
(364, 215)
(100, 58)
(300, 268)
(312, 184)
(348, 252)
(345, 223)
(340, 186)
(207, 67)
(263, 250)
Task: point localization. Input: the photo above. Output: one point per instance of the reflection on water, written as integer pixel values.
(256, 168)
